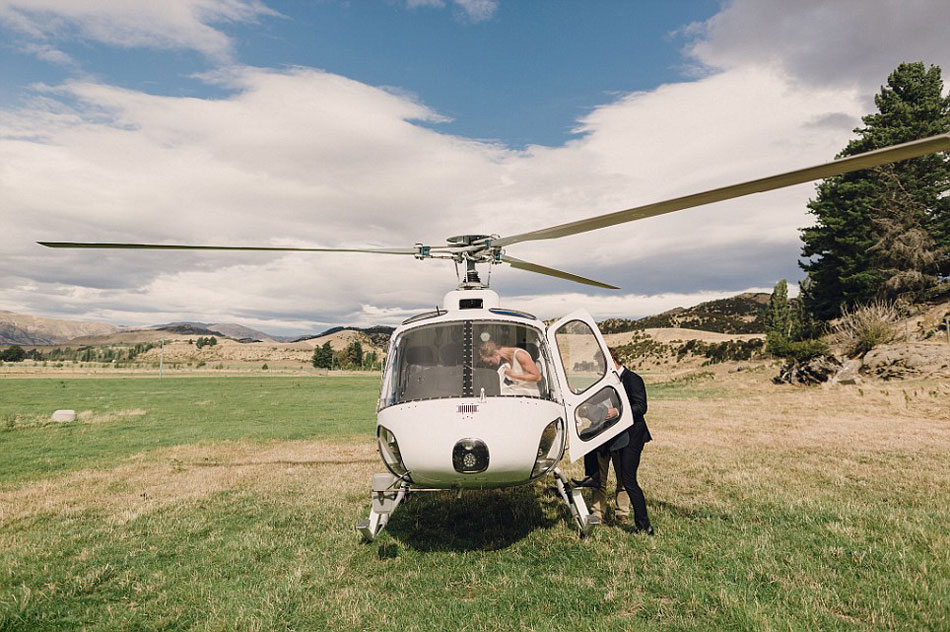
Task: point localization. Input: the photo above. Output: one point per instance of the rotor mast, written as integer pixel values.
(469, 250)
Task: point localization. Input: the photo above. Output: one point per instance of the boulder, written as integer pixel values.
(849, 373)
(817, 370)
(64, 415)
(903, 359)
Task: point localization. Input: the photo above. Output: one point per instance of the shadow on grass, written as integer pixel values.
(481, 520)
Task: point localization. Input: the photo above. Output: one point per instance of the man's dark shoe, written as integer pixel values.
(646, 530)
(587, 481)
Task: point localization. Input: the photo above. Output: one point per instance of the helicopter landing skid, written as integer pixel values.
(386, 497)
(583, 520)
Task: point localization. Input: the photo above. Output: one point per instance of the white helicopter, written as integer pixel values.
(452, 416)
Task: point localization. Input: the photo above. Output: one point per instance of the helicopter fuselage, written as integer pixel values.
(449, 417)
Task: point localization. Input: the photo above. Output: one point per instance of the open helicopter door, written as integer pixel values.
(595, 402)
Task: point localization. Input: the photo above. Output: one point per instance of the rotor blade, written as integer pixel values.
(81, 244)
(533, 267)
(866, 160)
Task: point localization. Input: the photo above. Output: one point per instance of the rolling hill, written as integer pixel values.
(740, 314)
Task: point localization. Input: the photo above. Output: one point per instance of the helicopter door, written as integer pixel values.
(596, 404)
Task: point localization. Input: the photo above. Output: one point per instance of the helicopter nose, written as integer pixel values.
(470, 456)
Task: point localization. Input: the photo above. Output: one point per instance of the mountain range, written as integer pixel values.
(733, 315)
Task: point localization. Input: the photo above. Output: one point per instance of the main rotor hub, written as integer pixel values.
(469, 250)
(468, 240)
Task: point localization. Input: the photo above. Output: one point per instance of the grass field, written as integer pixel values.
(229, 504)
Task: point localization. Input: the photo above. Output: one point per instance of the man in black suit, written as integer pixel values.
(624, 452)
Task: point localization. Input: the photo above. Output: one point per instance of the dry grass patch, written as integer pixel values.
(90, 417)
(186, 474)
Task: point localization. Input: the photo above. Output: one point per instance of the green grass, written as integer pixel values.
(177, 411)
(228, 532)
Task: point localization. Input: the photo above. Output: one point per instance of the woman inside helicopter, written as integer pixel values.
(518, 373)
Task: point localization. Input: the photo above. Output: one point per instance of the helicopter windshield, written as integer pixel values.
(467, 359)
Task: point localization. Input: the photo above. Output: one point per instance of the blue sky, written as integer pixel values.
(522, 76)
(394, 121)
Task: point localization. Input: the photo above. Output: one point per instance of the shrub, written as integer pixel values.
(14, 353)
(862, 328)
(718, 352)
(799, 350)
(322, 356)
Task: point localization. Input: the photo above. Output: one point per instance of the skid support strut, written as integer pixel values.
(387, 494)
(584, 522)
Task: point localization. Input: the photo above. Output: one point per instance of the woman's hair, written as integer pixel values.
(487, 348)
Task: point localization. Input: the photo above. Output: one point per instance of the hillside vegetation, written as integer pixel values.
(740, 314)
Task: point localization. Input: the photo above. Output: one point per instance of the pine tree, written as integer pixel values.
(777, 321)
(909, 254)
(844, 261)
(323, 356)
(355, 354)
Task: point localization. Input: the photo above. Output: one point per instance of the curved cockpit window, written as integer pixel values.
(467, 359)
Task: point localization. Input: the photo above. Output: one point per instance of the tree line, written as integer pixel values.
(351, 357)
(16, 353)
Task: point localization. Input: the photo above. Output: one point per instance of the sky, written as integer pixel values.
(337, 123)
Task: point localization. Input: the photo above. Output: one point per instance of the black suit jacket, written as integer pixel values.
(638, 433)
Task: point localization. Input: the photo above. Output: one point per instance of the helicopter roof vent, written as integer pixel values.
(470, 299)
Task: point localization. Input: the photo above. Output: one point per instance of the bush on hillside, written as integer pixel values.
(798, 350)
(864, 327)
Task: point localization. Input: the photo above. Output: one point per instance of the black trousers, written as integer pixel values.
(626, 460)
(629, 458)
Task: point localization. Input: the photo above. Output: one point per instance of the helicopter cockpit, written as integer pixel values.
(442, 360)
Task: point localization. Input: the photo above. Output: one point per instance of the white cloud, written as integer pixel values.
(846, 42)
(170, 24)
(307, 157)
(477, 10)
(50, 54)
(470, 10)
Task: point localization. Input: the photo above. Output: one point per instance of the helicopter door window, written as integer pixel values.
(581, 356)
(598, 413)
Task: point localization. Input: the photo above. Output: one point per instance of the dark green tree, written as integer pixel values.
(13, 353)
(777, 315)
(323, 356)
(789, 330)
(352, 356)
(844, 267)
(371, 360)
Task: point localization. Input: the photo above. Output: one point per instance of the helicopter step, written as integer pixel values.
(386, 498)
(583, 520)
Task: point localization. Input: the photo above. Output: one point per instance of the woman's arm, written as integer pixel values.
(531, 371)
